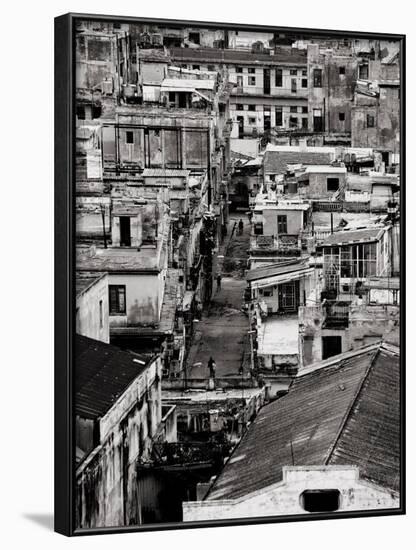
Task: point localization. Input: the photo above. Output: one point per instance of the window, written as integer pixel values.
(304, 72)
(251, 120)
(101, 314)
(293, 86)
(96, 111)
(370, 121)
(80, 112)
(304, 123)
(251, 107)
(332, 184)
(293, 109)
(251, 80)
(267, 292)
(172, 97)
(318, 122)
(279, 78)
(279, 116)
(239, 69)
(317, 78)
(129, 137)
(194, 37)
(240, 81)
(211, 67)
(293, 122)
(363, 72)
(293, 72)
(342, 70)
(324, 500)
(304, 110)
(239, 107)
(195, 67)
(281, 224)
(258, 228)
(117, 297)
(251, 70)
(341, 116)
(304, 82)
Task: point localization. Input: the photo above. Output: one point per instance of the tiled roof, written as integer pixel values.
(275, 162)
(283, 56)
(345, 411)
(86, 279)
(102, 374)
(348, 237)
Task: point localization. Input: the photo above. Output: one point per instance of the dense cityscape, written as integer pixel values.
(237, 274)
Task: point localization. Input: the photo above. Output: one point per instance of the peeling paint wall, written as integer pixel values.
(107, 488)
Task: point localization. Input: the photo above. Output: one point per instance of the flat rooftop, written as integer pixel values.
(279, 336)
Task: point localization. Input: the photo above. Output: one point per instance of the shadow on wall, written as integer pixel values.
(44, 520)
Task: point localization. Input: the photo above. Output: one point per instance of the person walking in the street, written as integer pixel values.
(240, 227)
(219, 282)
(211, 367)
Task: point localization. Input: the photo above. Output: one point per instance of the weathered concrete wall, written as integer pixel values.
(285, 498)
(334, 96)
(318, 185)
(106, 482)
(385, 109)
(144, 295)
(95, 59)
(371, 323)
(92, 319)
(294, 221)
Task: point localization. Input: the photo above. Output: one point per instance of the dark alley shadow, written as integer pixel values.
(44, 520)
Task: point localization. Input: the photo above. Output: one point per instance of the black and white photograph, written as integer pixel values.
(237, 273)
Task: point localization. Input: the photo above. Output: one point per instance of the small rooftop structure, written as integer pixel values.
(331, 416)
(277, 158)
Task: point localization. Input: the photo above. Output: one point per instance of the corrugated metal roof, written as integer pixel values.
(359, 235)
(276, 162)
(370, 436)
(102, 373)
(276, 269)
(332, 415)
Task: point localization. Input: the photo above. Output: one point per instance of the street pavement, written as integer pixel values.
(223, 330)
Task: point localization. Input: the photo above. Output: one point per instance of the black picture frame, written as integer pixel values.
(65, 272)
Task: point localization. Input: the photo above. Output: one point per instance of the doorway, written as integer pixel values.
(331, 345)
(125, 232)
(289, 296)
(240, 120)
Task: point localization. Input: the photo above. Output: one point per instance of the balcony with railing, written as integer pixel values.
(281, 245)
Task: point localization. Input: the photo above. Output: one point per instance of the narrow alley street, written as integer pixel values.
(222, 332)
